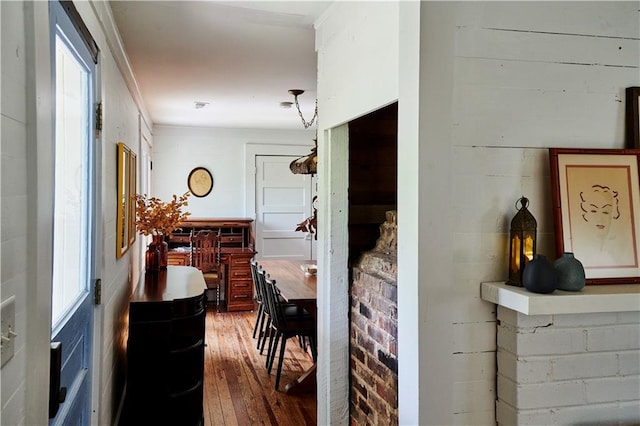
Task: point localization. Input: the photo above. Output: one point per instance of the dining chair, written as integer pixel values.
(266, 325)
(286, 321)
(205, 255)
(261, 314)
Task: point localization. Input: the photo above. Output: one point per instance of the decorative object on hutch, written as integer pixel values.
(200, 182)
(539, 275)
(159, 219)
(632, 117)
(126, 216)
(570, 273)
(596, 205)
(236, 243)
(165, 349)
(522, 242)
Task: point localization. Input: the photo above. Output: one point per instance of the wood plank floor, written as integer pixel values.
(238, 390)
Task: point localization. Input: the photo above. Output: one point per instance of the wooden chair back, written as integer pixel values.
(205, 251)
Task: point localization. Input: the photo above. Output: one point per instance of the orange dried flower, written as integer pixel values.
(155, 217)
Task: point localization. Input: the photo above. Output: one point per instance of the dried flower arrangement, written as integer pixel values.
(155, 217)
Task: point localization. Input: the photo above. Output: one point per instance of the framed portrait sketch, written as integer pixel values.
(596, 205)
(632, 117)
(200, 182)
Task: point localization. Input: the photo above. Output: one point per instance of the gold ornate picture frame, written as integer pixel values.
(126, 214)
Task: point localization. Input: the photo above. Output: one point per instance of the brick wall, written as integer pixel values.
(373, 340)
(568, 369)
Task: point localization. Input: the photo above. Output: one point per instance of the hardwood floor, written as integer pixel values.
(238, 390)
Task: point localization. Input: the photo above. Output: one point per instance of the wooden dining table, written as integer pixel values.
(300, 288)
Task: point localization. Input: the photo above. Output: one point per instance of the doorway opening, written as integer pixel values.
(373, 314)
(373, 171)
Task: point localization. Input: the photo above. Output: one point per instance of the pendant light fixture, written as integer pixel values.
(308, 164)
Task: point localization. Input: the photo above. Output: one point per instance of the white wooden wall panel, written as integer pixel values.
(532, 46)
(13, 202)
(473, 397)
(604, 18)
(473, 337)
(527, 78)
(532, 118)
(369, 32)
(542, 76)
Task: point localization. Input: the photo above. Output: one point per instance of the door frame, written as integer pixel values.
(40, 157)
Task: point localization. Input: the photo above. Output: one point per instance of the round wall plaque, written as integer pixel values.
(200, 182)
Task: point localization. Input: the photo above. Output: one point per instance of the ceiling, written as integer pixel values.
(238, 57)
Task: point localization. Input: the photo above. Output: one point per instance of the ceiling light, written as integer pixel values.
(296, 93)
(200, 104)
(308, 164)
(286, 104)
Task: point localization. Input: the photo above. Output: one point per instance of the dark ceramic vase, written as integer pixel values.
(152, 258)
(570, 273)
(163, 249)
(539, 275)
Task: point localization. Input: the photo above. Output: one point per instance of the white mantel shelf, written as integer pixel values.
(592, 299)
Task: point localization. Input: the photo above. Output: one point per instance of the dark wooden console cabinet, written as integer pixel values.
(165, 349)
(237, 249)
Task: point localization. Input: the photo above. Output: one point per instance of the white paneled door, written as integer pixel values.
(283, 200)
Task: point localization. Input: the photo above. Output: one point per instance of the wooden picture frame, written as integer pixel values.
(632, 117)
(596, 205)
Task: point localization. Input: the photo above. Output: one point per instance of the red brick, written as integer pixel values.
(358, 354)
(393, 347)
(390, 291)
(378, 369)
(388, 392)
(388, 325)
(366, 343)
(378, 335)
(360, 389)
(362, 405)
(359, 321)
(382, 305)
(378, 405)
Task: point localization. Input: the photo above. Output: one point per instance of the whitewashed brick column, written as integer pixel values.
(568, 368)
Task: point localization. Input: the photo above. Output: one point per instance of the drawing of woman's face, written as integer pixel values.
(599, 206)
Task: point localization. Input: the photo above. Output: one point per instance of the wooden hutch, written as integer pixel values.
(236, 249)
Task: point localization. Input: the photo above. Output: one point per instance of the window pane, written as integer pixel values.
(70, 275)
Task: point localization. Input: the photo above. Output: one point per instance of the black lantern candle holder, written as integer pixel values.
(522, 242)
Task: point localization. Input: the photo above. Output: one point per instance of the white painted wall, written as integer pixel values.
(178, 150)
(13, 200)
(484, 88)
(357, 45)
(26, 209)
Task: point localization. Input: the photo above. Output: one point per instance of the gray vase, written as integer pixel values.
(570, 273)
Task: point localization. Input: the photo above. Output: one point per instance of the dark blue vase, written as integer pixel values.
(570, 273)
(539, 275)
